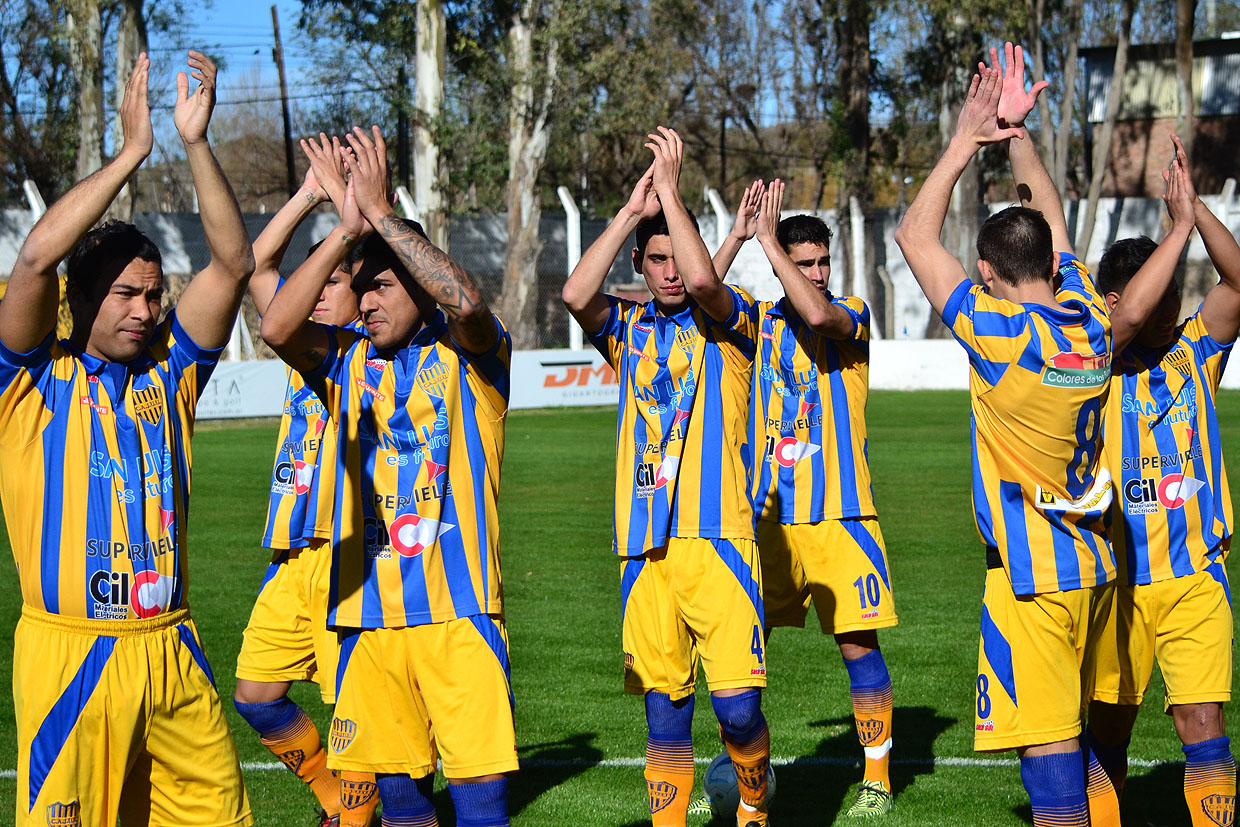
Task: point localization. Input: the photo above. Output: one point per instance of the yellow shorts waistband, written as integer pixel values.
(106, 628)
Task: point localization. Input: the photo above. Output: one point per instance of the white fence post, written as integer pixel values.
(715, 200)
(34, 198)
(572, 227)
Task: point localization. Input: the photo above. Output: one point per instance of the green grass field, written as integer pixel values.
(581, 739)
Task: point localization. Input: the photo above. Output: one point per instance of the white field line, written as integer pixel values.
(804, 761)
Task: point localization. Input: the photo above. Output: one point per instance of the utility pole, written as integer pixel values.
(402, 126)
(278, 55)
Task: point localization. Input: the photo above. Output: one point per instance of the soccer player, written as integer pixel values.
(690, 578)
(818, 532)
(117, 711)
(420, 406)
(1171, 520)
(287, 638)
(1038, 340)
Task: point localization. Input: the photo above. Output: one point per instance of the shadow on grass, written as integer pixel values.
(813, 788)
(546, 766)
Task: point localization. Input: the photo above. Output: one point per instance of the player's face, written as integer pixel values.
(814, 262)
(1159, 328)
(337, 305)
(659, 268)
(390, 314)
(122, 315)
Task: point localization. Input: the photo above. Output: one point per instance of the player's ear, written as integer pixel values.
(637, 262)
(1111, 299)
(987, 272)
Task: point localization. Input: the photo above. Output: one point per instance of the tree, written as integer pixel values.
(430, 66)
(1184, 14)
(86, 57)
(1102, 142)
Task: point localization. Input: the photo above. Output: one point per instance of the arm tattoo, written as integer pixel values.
(437, 274)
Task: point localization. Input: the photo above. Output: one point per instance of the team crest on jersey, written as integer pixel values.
(686, 340)
(869, 731)
(64, 815)
(433, 379)
(1179, 359)
(354, 793)
(1221, 809)
(661, 794)
(343, 732)
(148, 404)
(293, 759)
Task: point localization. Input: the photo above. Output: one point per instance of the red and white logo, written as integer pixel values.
(433, 469)
(805, 408)
(303, 475)
(319, 425)
(166, 517)
(411, 534)
(364, 385)
(680, 417)
(790, 450)
(151, 593)
(668, 469)
(635, 352)
(1177, 489)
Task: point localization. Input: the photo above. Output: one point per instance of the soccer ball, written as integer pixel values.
(719, 784)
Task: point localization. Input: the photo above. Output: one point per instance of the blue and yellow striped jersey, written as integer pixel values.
(1172, 511)
(683, 458)
(421, 438)
(1039, 378)
(808, 418)
(95, 474)
(303, 477)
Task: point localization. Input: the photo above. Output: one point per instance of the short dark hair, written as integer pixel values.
(803, 229)
(105, 251)
(1017, 243)
(1121, 261)
(656, 225)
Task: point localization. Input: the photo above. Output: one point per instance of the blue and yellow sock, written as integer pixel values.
(1210, 782)
(288, 732)
(1056, 787)
(748, 742)
(870, 685)
(1103, 800)
(406, 801)
(481, 804)
(669, 758)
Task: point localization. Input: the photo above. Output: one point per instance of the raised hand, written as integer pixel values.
(746, 224)
(669, 152)
(326, 166)
(768, 218)
(643, 202)
(978, 121)
(1180, 196)
(1015, 102)
(192, 112)
(135, 111)
(366, 160)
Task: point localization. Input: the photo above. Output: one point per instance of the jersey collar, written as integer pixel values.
(431, 331)
(681, 318)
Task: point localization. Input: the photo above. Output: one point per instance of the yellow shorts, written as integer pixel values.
(693, 599)
(840, 564)
(1185, 623)
(287, 638)
(1028, 689)
(398, 686)
(124, 724)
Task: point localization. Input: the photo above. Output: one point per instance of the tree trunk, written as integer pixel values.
(429, 69)
(1185, 10)
(130, 42)
(857, 193)
(86, 59)
(1067, 98)
(528, 136)
(1102, 144)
